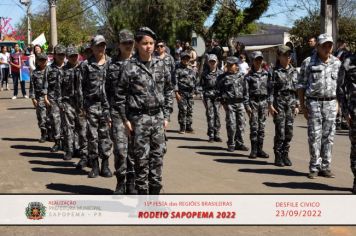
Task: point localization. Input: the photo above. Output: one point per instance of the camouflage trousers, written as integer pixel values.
(352, 135)
(75, 130)
(149, 147)
(258, 120)
(41, 113)
(235, 124)
(321, 131)
(122, 142)
(185, 113)
(212, 107)
(283, 122)
(55, 116)
(99, 142)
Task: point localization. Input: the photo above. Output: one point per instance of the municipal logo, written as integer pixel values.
(35, 211)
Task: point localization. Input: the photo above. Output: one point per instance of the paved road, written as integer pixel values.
(192, 165)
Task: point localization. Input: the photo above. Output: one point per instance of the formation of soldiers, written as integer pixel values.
(124, 103)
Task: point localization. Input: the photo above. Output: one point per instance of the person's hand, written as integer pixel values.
(109, 122)
(34, 101)
(348, 119)
(128, 127)
(47, 102)
(272, 110)
(296, 111)
(178, 97)
(165, 124)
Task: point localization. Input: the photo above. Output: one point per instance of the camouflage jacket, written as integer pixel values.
(92, 85)
(185, 81)
(346, 85)
(52, 81)
(317, 78)
(69, 85)
(283, 83)
(208, 82)
(37, 83)
(112, 80)
(231, 87)
(141, 88)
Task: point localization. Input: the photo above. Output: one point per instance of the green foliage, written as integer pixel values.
(74, 25)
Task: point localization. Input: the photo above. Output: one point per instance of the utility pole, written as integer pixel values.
(27, 4)
(52, 6)
(329, 16)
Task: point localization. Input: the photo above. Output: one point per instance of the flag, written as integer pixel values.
(40, 40)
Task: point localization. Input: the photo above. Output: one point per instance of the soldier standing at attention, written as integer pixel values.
(232, 90)
(346, 93)
(74, 122)
(92, 97)
(256, 104)
(283, 104)
(37, 94)
(210, 98)
(145, 102)
(124, 163)
(185, 82)
(317, 83)
(52, 77)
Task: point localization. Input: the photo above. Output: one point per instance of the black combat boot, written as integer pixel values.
(120, 186)
(241, 147)
(260, 152)
(95, 169)
(68, 156)
(253, 154)
(56, 146)
(182, 129)
(82, 163)
(217, 137)
(278, 159)
(43, 136)
(354, 187)
(155, 189)
(105, 171)
(189, 129)
(141, 191)
(286, 159)
(130, 184)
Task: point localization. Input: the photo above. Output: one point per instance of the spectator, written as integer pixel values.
(312, 45)
(33, 54)
(243, 66)
(293, 54)
(193, 56)
(16, 64)
(178, 50)
(4, 66)
(341, 52)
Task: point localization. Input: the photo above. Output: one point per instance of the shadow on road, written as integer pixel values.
(20, 108)
(203, 147)
(79, 189)
(172, 131)
(287, 172)
(42, 155)
(306, 185)
(31, 147)
(21, 139)
(64, 171)
(185, 138)
(302, 126)
(222, 154)
(242, 161)
(53, 163)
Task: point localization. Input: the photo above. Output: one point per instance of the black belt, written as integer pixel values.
(321, 98)
(146, 111)
(258, 97)
(234, 100)
(285, 93)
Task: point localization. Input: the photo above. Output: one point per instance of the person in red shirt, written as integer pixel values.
(16, 64)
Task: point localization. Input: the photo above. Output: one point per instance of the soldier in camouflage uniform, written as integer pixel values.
(256, 104)
(92, 96)
(346, 94)
(232, 90)
(74, 121)
(210, 98)
(145, 103)
(317, 82)
(52, 77)
(283, 104)
(185, 82)
(37, 94)
(124, 163)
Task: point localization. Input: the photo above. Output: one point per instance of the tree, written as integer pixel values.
(75, 24)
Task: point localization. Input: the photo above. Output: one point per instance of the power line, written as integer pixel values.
(79, 13)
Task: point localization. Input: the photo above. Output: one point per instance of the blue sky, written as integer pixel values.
(11, 8)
